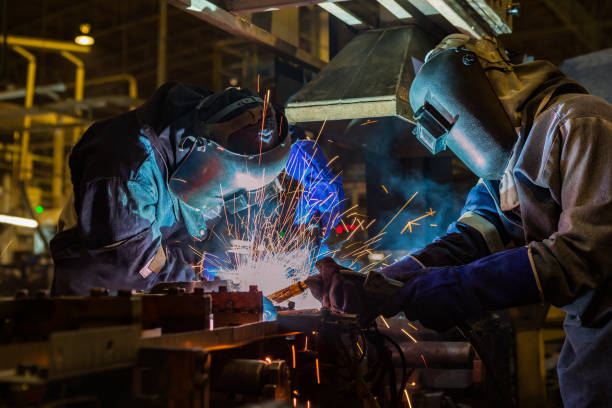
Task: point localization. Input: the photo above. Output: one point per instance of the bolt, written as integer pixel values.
(514, 10)
(98, 292)
(21, 293)
(125, 292)
(41, 294)
(468, 58)
(253, 288)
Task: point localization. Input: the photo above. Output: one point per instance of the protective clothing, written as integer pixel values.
(123, 227)
(442, 297)
(323, 197)
(555, 197)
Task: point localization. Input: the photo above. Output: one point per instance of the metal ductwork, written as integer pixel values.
(370, 77)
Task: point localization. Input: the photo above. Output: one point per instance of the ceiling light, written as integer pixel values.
(395, 9)
(18, 221)
(340, 13)
(84, 37)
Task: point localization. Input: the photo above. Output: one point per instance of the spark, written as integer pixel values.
(409, 335)
(384, 321)
(408, 226)
(268, 360)
(293, 354)
(258, 77)
(6, 248)
(332, 160)
(424, 362)
(385, 188)
(306, 343)
(369, 121)
(294, 402)
(400, 210)
(413, 326)
(178, 179)
(359, 347)
(318, 376)
(407, 398)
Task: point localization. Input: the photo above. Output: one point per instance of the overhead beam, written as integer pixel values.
(240, 27)
(586, 35)
(253, 6)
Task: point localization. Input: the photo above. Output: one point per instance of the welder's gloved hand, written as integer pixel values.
(444, 297)
(403, 270)
(334, 291)
(323, 198)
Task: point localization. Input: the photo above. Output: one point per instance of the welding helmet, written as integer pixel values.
(237, 146)
(456, 106)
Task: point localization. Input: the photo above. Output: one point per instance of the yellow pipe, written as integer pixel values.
(79, 79)
(130, 79)
(29, 102)
(79, 86)
(46, 44)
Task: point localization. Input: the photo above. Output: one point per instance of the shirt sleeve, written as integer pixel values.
(576, 258)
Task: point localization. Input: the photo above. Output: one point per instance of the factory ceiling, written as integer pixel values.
(126, 35)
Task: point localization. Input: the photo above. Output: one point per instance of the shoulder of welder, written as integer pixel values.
(108, 149)
(569, 107)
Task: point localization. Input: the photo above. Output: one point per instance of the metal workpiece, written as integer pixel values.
(268, 379)
(173, 377)
(370, 77)
(436, 354)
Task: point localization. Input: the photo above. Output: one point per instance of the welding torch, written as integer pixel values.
(374, 282)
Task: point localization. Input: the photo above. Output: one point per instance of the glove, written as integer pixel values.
(334, 291)
(322, 199)
(404, 269)
(441, 298)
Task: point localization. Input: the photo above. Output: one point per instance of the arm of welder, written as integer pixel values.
(122, 246)
(477, 233)
(323, 199)
(575, 260)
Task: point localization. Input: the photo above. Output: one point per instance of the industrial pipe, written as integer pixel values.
(79, 86)
(28, 103)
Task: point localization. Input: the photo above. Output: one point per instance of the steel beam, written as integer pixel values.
(253, 6)
(240, 27)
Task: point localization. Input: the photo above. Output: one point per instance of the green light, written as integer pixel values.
(39, 209)
(282, 234)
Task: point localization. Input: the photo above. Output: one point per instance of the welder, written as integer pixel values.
(538, 224)
(150, 184)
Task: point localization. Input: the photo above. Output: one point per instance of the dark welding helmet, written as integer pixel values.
(238, 146)
(455, 106)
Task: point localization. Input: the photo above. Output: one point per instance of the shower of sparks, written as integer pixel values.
(264, 247)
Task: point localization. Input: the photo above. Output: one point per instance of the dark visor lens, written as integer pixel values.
(432, 128)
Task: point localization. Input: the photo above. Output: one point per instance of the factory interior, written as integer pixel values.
(207, 296)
